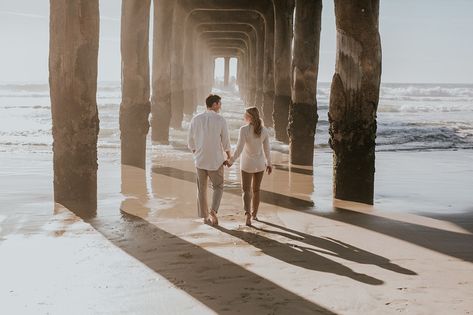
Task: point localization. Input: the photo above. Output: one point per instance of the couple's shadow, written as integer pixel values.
(310, 258)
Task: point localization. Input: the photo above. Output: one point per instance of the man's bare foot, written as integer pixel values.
(207, 220)
(248, 219)
(213, 217)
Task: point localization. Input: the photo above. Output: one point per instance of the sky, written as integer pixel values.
(423, 41)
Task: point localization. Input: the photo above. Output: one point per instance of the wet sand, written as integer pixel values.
(145, 252)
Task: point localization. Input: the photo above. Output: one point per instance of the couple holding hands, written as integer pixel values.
(209, 141)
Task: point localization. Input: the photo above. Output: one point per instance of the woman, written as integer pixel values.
(253, 145)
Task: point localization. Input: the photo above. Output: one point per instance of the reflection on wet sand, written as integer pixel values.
(269, 197)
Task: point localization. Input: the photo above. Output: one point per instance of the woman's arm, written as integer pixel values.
(240, 145)
(267, 149)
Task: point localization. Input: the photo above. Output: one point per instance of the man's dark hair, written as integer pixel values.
(212, 98)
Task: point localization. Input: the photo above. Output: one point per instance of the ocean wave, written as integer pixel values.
(25, 87)
(423, 108)
(423, 90)
(27, 107)
(24, 94)
(416, 92)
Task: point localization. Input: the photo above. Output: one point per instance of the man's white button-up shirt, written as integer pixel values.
(208, 136)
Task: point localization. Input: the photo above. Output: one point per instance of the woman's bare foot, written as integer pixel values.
(253, 216)
(208, 220)
(213, 217)
(248, 219)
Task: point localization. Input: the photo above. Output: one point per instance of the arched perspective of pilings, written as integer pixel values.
(73, 54)
(305, 64)
(241, 36)
(264, 98)
(255, 21)
(247, 64)
(354, 99)
(135, 106)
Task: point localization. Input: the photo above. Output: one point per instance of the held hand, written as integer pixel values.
(269, 169)
(229, 163)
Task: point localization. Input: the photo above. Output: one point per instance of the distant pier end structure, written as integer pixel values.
(277, 55)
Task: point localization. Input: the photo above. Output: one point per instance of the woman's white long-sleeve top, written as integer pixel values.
(255, 150)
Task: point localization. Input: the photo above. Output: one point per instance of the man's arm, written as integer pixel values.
(225, 138)
(190, 137)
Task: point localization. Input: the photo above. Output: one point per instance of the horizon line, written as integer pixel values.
(320, 82)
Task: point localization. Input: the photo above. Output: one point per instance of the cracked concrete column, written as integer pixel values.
(212, 75)
(253, 71)
(177, 66)
(188, 69)
(198, 73)
(284, 10)
(226, 76)
(259, 95)
(268, 75)
(354, 99)
(305, 65)
(161, 77)
(135, 105)
(241, 76)
(195, 72)
(73, 52)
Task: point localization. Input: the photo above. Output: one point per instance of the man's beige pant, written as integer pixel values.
(216, 178)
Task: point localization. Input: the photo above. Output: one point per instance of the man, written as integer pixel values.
(208, 139)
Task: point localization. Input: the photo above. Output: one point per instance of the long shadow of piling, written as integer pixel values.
(450, 243)
(216, 282)
(220, 284)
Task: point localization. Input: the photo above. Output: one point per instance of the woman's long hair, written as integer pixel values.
(256, 121)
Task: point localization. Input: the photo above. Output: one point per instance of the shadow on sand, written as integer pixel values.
(336, 248)
(216, 282)
(299, 256)
(450, 243)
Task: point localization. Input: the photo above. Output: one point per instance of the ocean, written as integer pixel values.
(411, 117)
